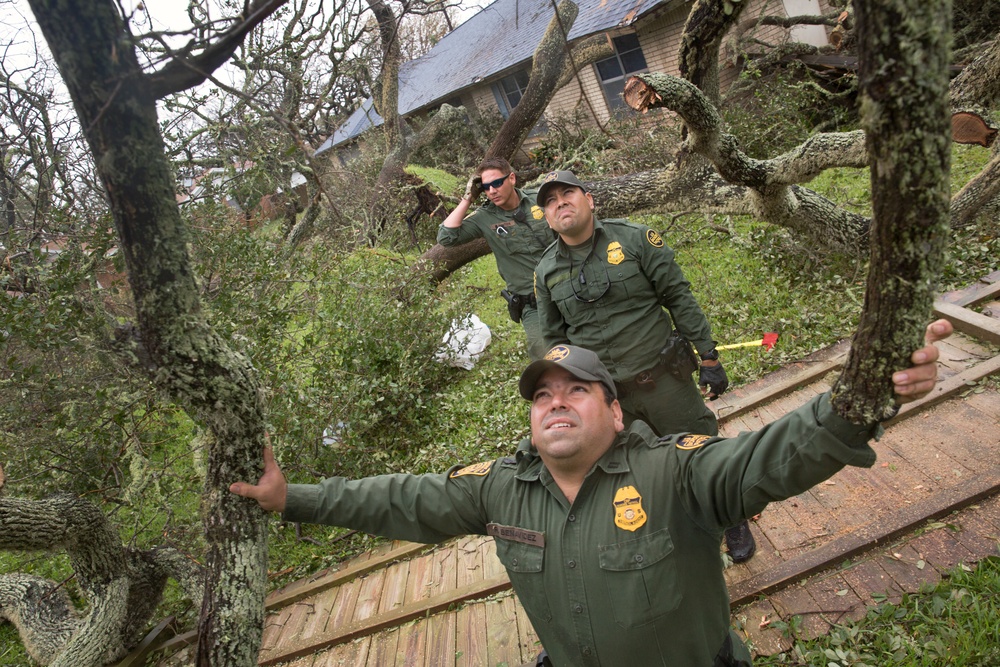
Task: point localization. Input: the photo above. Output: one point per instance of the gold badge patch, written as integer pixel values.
(558, 353)
(479, 469)
(654, 238)
(551, 176)
(615, 253)
(537, 213)
(692, 441)
(629, 514)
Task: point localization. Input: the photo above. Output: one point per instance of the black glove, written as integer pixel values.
(715, 378)
(474, 188)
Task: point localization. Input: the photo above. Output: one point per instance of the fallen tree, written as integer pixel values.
(708, 173)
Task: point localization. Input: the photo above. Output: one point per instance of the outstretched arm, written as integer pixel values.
(918, 380)
(271, 489)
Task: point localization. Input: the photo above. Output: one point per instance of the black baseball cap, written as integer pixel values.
(583, 364)
(553, 177)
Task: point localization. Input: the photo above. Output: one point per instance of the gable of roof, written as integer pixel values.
(504, 34)
(364, 117)
(501, 36)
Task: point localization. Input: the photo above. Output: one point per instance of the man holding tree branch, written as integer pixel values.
(609, 534)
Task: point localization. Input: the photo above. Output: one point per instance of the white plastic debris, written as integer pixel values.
(464, 343)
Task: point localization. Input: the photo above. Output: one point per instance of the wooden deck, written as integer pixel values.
(931, 501)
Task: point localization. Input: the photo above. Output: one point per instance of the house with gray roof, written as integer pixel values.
(486, 61)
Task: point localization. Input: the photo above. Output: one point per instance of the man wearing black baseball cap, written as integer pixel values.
(613, 287)
(610, 535)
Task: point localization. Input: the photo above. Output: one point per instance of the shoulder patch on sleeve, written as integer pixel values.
(654, 238)
(692, 441)
(479, 469)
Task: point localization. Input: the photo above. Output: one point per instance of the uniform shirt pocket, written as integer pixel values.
(627, 280)
(641, 576)
(525, 565)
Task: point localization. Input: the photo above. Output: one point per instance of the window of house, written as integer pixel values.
(509, 91)
(612, 72)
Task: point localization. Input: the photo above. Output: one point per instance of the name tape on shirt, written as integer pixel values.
(515, 534)
(654, 238)
(692, 441)
(479, 469)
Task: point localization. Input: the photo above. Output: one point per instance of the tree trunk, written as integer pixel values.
(903, 54)
(547, 66)
(217, 386)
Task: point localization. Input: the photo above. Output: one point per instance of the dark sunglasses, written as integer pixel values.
(495, 184)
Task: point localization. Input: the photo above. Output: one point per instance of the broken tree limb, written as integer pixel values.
(903, 59)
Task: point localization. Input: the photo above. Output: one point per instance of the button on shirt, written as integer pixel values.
(516, 246)
(630, 572)
(616, 309)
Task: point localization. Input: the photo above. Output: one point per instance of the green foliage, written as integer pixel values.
(570, 142)
(457, 146)
(954, 623)
(777, 111)
(438, 179)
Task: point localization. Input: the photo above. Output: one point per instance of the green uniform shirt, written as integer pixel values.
(630, 573)
(516, 248)
(616, 308)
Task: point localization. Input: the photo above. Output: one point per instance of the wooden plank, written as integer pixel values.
(469, 560)
(902, 563)
(836, 598)
(352, 654)
(756, 622)
(471, 641)
(382, 651)
(969, 322)
(796, 601)
(528, 639)
(340, 633)
(983, 289)
(297, 590)
(369, 596)
(863, 538)
(942, 550)
(870, 581)
(501, 628)
(394, 589)
(410, 647)
(814, 371)
(291, 630)
(323, 606)
(440, 650)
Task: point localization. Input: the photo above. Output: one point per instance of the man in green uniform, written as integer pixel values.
(609, 535)
(605, 286)
(516, 231)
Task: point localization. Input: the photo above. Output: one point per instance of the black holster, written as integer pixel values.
(516, 303)
(678, 357)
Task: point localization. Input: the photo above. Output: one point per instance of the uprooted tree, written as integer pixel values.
(710, 174)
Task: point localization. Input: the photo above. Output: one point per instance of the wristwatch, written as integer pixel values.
(711, 355)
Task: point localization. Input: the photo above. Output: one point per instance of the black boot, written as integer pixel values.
(740, 542)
